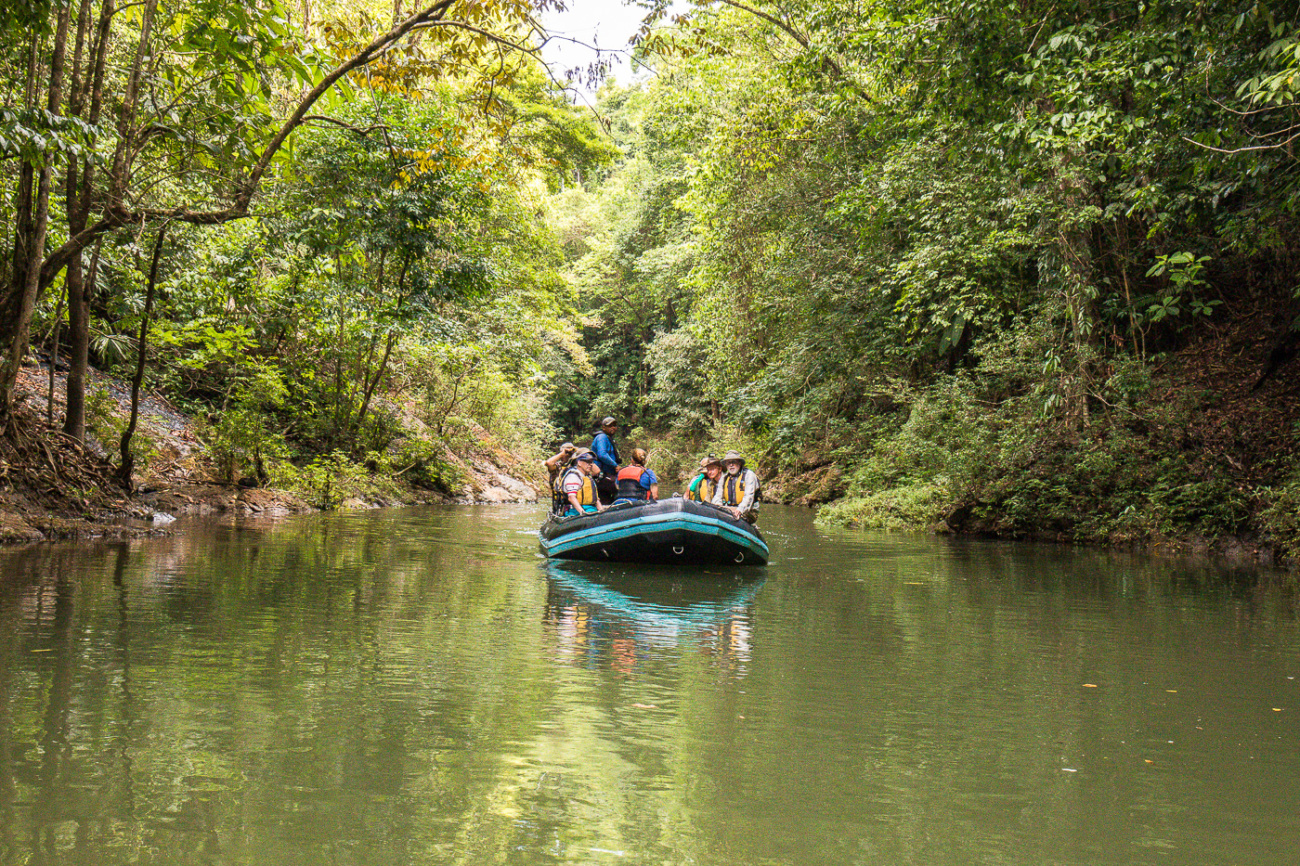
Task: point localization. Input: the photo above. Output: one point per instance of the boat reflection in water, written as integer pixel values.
(622, 620)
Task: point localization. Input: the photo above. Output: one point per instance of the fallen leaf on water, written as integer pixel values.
(1090, 685)
(645, 706)
(1172, 691)
(1148, 760)
(1277, 709)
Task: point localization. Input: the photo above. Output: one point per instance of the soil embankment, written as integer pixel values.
(52, 488)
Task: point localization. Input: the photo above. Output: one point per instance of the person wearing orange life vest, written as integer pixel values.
(636, 483)
(579, 485)
(738, 488)
(704, 485)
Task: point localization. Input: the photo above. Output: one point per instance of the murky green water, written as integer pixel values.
(417, 687)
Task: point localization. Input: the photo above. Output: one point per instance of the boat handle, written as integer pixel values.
(740, 557)
(679, 550)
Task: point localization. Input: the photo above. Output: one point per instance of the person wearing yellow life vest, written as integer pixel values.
(704, 485)
(579, 485)
(738, 488)
(636, 483)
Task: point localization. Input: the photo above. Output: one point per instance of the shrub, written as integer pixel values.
(911, 506)
(330, 479)
(106, 424)
(421, 463)
(1280, 517)
(241, 445)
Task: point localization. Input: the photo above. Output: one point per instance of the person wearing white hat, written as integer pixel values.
(738, 489)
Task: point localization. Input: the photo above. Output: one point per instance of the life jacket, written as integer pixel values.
(701, 489)
(559, 502)
(733, 488)
(629, 483)
(586, 494)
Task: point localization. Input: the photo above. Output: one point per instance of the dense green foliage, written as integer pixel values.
(357, 279)
(1024, 269)
(988, 258)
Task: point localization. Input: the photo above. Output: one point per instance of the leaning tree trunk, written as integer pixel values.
(128, 459)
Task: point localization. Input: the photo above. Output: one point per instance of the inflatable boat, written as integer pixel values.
(669, 531)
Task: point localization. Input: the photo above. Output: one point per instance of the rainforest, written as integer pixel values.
(1021, 269)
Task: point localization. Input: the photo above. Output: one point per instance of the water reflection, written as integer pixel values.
(416, 687)
(595, 615)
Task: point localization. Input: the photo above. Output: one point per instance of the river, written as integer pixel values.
(419, 687)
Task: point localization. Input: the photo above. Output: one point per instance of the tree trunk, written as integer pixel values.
(36, 270)
(128, 460)
(80, 286)
(56, 332)
(31, 229)
(80, 293)
(370, 384)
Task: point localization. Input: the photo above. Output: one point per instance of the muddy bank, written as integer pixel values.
(53, 488)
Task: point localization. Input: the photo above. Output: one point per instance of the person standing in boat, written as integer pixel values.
(704, 485)
(607, 459)
(738, 489)
(636, 483)
(579, 485)
(554, 465)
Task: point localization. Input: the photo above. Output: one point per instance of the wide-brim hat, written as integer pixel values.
(584, 456)
(608, 420)
(710, 460)
(733, 455)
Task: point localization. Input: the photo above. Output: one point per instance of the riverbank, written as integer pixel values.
(53, 488)
(1197, 452)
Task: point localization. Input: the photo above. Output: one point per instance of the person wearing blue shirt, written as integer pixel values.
(607, 459)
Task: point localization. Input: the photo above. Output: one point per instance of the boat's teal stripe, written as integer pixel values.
(623, 531)
(707, 525)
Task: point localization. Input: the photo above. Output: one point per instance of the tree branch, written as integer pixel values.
(828, 64)
(359, 130)
(1235, 150)
(116, 212)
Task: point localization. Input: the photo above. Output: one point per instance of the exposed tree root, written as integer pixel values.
(52, 470)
